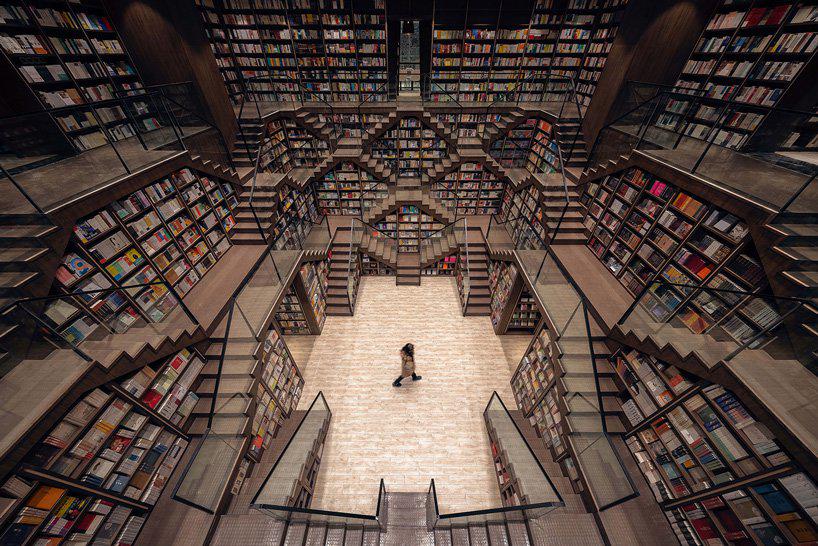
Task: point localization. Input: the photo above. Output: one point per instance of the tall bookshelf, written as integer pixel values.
(71, 58)
(513, 150)
(283, 50)
(295, 211)
(524, 214)
(444, 266)
(409, 148)
(97, 474)
(691, 437)
(643, 228)
(303, 309)
(412, 226)
(348, 187)
(747, 58)
(286, 146)
(472, 189)
(277, 393)
(174, 230)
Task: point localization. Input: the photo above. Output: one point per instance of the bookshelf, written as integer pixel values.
(290, 315)
(285, 50)
(286, 146)
(294, 212)
(173, 230)
(371, 266)
(524, 212)
(543, 156)
(643, 228)
(526, 315)
(513, 150)
(347, 187)
(412, 225)
(691, 437)
(747, 57)
(277, 394)
(511, 492)
(315, 277)
(445, 266)
(409, 148)
(510, 310)
(805, 135)
(97, 474)
(471, 189)
(72, 60)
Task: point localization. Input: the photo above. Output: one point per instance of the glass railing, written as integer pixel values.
(207, 474)
(720, 323)
(538, 496)
(721, 140)
(103, 141)
(88, 320)
(608, 481)
(277, 497)
(450, 239)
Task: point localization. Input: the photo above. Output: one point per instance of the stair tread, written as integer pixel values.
(807, 279)
(805, 230)
(16, 279)
(801, 253)
(28, 231)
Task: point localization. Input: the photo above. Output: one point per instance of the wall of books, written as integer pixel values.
(295, 213)
(488, 63)
(471, 189)
(689, 437)
(502, 277)
(174, 230)
(643, 228)
(96, 475)
(371, 266)
(71, 57)
(409, 148)
(347, 188)
(749, 54)
(444, 266)
(286, 146)
(525, 217)
(277, 393)
(307, 50)
(530, 145)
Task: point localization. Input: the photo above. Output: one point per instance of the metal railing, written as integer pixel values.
(454, 236)
(429, 87)
(720, 139)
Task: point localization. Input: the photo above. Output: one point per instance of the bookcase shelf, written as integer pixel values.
(97, 474)
(299, 49)
(525, 217)
(691, 437)
(174, 230)
(290, 315)
(346, 187)
(472, 189)
(645, 229)
(410, 148)
(279, 389)
(444, 266)
(748, 55)
(71, 57)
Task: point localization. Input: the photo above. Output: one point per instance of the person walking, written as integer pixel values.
(407, 365)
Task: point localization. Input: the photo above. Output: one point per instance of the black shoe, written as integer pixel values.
(416, 377)
(396, 383)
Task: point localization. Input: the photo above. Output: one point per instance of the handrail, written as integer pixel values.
(427, 79)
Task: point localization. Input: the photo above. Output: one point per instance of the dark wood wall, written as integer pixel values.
(167, 42)
(652, 45)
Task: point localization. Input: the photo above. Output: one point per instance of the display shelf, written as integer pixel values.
(691, 437)
(543, 155)
(506, 286)
(472, 189)
(747, 57)
(513, 149)
(71, 58)
(307, 50)
(526, 315)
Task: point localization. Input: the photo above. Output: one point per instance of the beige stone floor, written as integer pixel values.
(407, 436)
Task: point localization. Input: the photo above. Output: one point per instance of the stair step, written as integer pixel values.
(806, 280)
(221, 425)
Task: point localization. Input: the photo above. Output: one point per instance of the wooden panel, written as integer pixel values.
(653, 43)
(167, 43)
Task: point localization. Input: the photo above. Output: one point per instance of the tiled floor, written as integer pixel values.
(407, 436)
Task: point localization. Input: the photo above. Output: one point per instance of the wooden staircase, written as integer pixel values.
(383, 249)
(408, 268)
(789, 250)
(477, 259)
(338, 302)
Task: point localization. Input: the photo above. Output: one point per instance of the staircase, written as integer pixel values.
(507, 122)
(479, 301)
(235, 404)
(793, 252)
(568, 135)
(338, 302)
(408, 268)
(245, 145)
(383, 249)
(312, 122)
(246, 231)
(571, 230)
